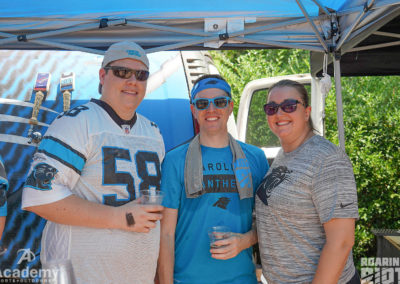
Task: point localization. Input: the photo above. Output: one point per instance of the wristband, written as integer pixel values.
(129, 219)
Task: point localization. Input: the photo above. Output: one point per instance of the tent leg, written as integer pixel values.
(339, 103)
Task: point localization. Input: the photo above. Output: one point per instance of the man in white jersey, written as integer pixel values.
(90, 167)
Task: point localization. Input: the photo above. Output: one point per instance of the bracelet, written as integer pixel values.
(129, 219)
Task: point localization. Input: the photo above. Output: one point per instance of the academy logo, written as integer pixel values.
(26, 255)
(222, 202)
(27, 275)
(275, 178)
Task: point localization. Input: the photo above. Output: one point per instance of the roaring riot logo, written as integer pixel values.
(276, 177)
(41, 177)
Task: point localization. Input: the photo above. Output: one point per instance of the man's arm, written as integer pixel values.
(166, 259)
(76, 211)
(234, 245)
(339, 242)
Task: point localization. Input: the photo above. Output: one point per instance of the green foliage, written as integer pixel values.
(239, 67)
(371, 113)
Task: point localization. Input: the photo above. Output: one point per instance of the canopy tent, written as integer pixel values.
(163, 25)
(321, 26)
(376, 52)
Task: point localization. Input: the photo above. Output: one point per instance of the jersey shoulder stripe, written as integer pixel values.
(63, 153)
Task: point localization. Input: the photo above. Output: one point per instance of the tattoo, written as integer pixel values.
(129, 219)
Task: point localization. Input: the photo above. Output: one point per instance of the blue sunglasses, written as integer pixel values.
(203, 103)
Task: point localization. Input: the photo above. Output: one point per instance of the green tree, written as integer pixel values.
(240, 67)
(372, 134)
(371, 113)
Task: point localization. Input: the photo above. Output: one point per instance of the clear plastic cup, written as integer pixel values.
(218, 233)
(151, 197)
(58, 272)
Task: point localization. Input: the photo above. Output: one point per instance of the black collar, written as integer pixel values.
(118, 120)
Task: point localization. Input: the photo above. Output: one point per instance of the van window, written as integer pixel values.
(257, 131)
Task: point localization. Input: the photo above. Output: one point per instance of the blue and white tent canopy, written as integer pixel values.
(315, 25)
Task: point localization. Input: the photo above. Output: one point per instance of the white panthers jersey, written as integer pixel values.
(90, 152)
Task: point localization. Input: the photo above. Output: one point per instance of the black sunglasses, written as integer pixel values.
(288, 106)
(203, 103)
(126, 73)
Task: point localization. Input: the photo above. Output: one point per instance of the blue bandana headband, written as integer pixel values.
(210, 83)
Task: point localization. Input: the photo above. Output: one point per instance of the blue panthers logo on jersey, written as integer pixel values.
(242, 172)
(41, 177)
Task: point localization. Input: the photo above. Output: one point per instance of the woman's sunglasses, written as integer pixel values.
(203, 103)
(126, 73)
(288, 106)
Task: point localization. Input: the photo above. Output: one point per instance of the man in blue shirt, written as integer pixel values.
(209, 182)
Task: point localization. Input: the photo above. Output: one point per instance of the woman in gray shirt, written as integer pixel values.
(306, 206)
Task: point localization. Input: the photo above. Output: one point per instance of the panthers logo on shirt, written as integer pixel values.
(222, 202)
(272, 180)
(41, 177)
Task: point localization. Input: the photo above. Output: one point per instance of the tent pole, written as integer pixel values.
(315, 29)
(60, 45)
(280, 44)
(339, 102)
(166, 28)
(197, 40)
(206, 34)
(214, 37)
(90, 26)
(375, 46)
(367, 6)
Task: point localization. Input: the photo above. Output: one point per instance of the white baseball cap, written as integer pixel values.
(125, 49)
